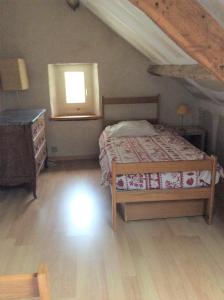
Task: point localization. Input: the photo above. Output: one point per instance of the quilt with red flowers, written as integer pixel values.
(167, 145)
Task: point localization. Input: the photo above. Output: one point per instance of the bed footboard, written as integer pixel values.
(179, 194)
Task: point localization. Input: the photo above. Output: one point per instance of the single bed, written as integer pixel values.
(155, 176)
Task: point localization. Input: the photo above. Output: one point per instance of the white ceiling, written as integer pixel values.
(139, 30)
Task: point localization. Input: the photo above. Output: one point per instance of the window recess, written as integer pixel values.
(74, 91)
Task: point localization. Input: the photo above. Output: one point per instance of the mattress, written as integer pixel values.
(167, 145)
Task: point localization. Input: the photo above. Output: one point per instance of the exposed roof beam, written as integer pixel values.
(192, 28)
(196, 72)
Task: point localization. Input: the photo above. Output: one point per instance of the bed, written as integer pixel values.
(154, 176)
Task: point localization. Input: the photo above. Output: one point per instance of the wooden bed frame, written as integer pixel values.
(205, 194)
(154, 100)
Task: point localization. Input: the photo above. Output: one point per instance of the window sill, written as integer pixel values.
(76, 118)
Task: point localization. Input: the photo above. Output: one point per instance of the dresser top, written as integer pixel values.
(20, 116)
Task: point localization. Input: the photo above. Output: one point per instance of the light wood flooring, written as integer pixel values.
(69, 228)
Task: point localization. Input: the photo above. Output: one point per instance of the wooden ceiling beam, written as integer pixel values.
(196, 71)
(191, 27)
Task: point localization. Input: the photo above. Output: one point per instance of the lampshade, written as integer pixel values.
(13, 74)
(183, 110)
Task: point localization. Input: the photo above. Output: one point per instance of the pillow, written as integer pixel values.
(131, 128)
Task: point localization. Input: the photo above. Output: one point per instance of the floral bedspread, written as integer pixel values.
(166, 146)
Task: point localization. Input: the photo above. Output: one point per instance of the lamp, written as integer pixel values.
(13, 74)
(182, 111)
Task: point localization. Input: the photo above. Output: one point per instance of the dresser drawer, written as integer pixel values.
(40, 158)
(37, 127)
(39, 142)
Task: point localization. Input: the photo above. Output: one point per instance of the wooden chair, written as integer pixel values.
(25, 286)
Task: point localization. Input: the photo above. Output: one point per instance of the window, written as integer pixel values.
(74, 89)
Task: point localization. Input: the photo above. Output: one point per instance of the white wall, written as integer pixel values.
(47, 32)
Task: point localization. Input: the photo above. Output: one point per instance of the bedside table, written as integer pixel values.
(194, 134)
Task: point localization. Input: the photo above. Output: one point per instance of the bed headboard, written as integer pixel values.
(130, 108)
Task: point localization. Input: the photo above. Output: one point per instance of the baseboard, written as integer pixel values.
(73, 157)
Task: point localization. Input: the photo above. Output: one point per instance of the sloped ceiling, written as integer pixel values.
(138, 29)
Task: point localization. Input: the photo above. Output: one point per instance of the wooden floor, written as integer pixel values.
(68, 227)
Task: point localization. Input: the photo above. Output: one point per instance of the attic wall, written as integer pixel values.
(211, 108)
(47, 31)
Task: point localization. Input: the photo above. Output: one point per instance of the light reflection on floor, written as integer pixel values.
(81, 209)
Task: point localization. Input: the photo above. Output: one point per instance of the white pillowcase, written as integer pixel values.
(131, 128)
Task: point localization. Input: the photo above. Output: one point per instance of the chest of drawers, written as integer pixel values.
(23, 150)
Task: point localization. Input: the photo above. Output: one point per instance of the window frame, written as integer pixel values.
(65, 108)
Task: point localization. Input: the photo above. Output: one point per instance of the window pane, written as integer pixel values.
(75, 87)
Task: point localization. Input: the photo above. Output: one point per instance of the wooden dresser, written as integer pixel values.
(23, 150)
